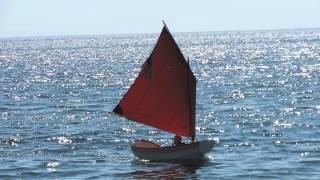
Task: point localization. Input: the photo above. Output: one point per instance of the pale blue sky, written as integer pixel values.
(98, 17)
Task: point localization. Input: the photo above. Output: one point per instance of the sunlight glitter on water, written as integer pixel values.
(257, 97)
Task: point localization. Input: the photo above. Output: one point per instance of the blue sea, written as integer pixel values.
(258, 97)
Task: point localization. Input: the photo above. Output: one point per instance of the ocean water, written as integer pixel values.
(258, 96)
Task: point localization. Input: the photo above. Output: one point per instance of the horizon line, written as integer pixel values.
(146, 33)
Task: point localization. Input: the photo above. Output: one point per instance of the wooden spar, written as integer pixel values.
(165, 25)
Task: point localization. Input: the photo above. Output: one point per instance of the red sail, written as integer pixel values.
(164, 93)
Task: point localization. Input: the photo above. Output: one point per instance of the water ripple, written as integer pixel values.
(257, 96)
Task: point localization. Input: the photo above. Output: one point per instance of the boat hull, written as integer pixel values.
(184, 152)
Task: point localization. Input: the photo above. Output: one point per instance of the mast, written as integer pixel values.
(192, 124)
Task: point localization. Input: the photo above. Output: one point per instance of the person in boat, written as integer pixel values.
(177, 140)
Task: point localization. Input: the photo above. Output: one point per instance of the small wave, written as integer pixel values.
(60, 139)
(285, 124)
(11, 141)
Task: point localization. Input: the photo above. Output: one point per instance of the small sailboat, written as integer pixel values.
(164, 96)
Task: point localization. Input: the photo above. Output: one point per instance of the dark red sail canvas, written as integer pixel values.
(163, 95)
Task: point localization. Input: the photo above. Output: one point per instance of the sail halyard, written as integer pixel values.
(162, 96)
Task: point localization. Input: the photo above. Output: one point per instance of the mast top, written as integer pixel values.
(164, 23)
(165, 26)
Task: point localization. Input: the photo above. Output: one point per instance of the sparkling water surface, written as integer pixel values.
(258, 96)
